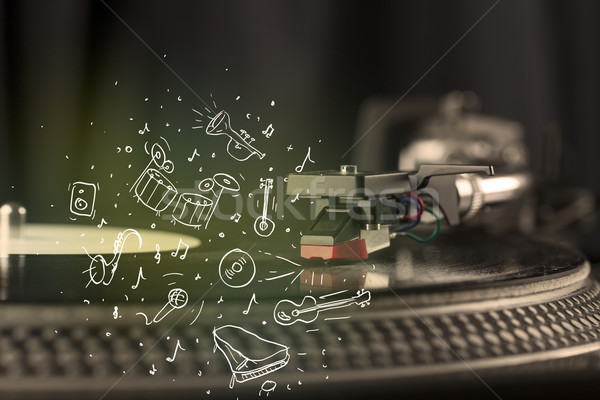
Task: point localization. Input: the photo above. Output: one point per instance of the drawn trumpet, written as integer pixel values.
(238, 146)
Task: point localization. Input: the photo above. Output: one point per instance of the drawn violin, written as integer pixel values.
(238, 146)
(287, 312)
(98, 265)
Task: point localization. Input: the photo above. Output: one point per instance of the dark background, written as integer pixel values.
(535, 62)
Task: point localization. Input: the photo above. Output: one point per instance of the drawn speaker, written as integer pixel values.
(155, 190)
(83, 198)
(237, 268)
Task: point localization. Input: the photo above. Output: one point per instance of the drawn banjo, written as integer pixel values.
(263, 225)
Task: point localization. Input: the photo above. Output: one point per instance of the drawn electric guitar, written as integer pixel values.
(264, 225)
(287, 312)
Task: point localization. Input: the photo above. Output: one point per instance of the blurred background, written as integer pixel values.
(81, 79)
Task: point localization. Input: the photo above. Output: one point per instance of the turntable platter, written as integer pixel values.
(455, 268)
(483, 266)
(51, 239)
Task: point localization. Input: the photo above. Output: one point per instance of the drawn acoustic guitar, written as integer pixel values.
(287, 312)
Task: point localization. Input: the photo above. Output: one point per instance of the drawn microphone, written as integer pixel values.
(178, 298)
(237, 268)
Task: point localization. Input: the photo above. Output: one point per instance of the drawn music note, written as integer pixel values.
(300, 168)
(181, 257)
(235, 217)
(253, 299)
(268, 131)
(103, 222)
(171, 359)
(140, 276)
(194, 154)
(153, 370)
(141, 131)
(157, 256)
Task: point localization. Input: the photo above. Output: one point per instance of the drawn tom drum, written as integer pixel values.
(227, 182)
(192, 209)
(155, 190)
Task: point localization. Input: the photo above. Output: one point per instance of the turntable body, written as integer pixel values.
(473, 311)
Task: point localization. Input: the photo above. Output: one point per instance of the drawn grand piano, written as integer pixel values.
(249, 356)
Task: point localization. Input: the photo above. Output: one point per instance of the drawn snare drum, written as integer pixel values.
(192, 209)
(155, 190)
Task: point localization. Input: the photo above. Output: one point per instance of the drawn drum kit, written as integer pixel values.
(155, 191)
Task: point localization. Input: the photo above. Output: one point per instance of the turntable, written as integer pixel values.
(470, 311)
(405, 283)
